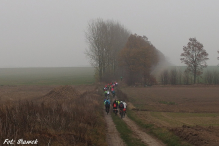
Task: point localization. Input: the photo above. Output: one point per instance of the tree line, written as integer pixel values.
(113, 51)
(179, 76)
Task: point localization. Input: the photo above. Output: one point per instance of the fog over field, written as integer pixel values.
(47, 76)
(52, 33)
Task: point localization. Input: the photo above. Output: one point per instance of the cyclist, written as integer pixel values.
(125, 107)
(115, 105)
(113, 92)
(105, 93)
(121, 107)
(111, 89)
(107, 105)
(106, 87)
(118, 102)
(108, 93)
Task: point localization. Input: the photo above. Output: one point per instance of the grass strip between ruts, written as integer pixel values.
(161, 133)
(126, 133)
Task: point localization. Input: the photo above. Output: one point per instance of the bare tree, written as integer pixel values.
(105, 40)
(194, 56)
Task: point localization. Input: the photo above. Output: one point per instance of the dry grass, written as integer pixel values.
(73, 121)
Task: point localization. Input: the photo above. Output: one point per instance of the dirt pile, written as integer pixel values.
(62, 93)
(197, 135)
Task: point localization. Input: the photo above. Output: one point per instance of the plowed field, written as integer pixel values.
(191, 112)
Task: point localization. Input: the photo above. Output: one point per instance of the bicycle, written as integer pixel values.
(107, 110)
(114, 95)
(115, 111)
(122, 113)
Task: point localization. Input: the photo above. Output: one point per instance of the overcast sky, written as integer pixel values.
(51, 33)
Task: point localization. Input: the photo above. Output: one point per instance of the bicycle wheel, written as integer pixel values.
(115, 112)
(107, 110)
(121, 114)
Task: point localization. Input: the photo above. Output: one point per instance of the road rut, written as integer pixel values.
(147, 139)
(113, 138)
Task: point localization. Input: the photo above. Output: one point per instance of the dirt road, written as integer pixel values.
(147, 139)
(113, 137)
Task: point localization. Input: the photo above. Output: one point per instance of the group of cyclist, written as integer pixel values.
(117, 105)
(121, 105)
(110, 88)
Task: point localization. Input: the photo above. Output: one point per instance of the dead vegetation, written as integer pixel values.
(197, 135)
(62, 117)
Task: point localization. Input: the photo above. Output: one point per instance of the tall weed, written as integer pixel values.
(66, 122)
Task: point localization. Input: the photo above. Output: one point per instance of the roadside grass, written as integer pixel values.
(126, 133)
(161, 133)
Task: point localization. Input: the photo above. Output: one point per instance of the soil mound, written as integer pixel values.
(62, 92)
(197, 135)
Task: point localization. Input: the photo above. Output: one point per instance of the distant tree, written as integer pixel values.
(218, 57)
(194, 56)
(186, 77)
(137, 58)
(208, 77)
(211, 77)
(173, 76)
(164, 77)
(179, 76)
(105, 40)
(215, 77)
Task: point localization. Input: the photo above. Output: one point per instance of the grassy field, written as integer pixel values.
(191, 112)
(47, 76)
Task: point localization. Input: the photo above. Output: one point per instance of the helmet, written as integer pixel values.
(120, 101)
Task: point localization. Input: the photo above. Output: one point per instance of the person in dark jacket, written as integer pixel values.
(115, 106)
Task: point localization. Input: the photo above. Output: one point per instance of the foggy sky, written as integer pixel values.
(51, 33)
